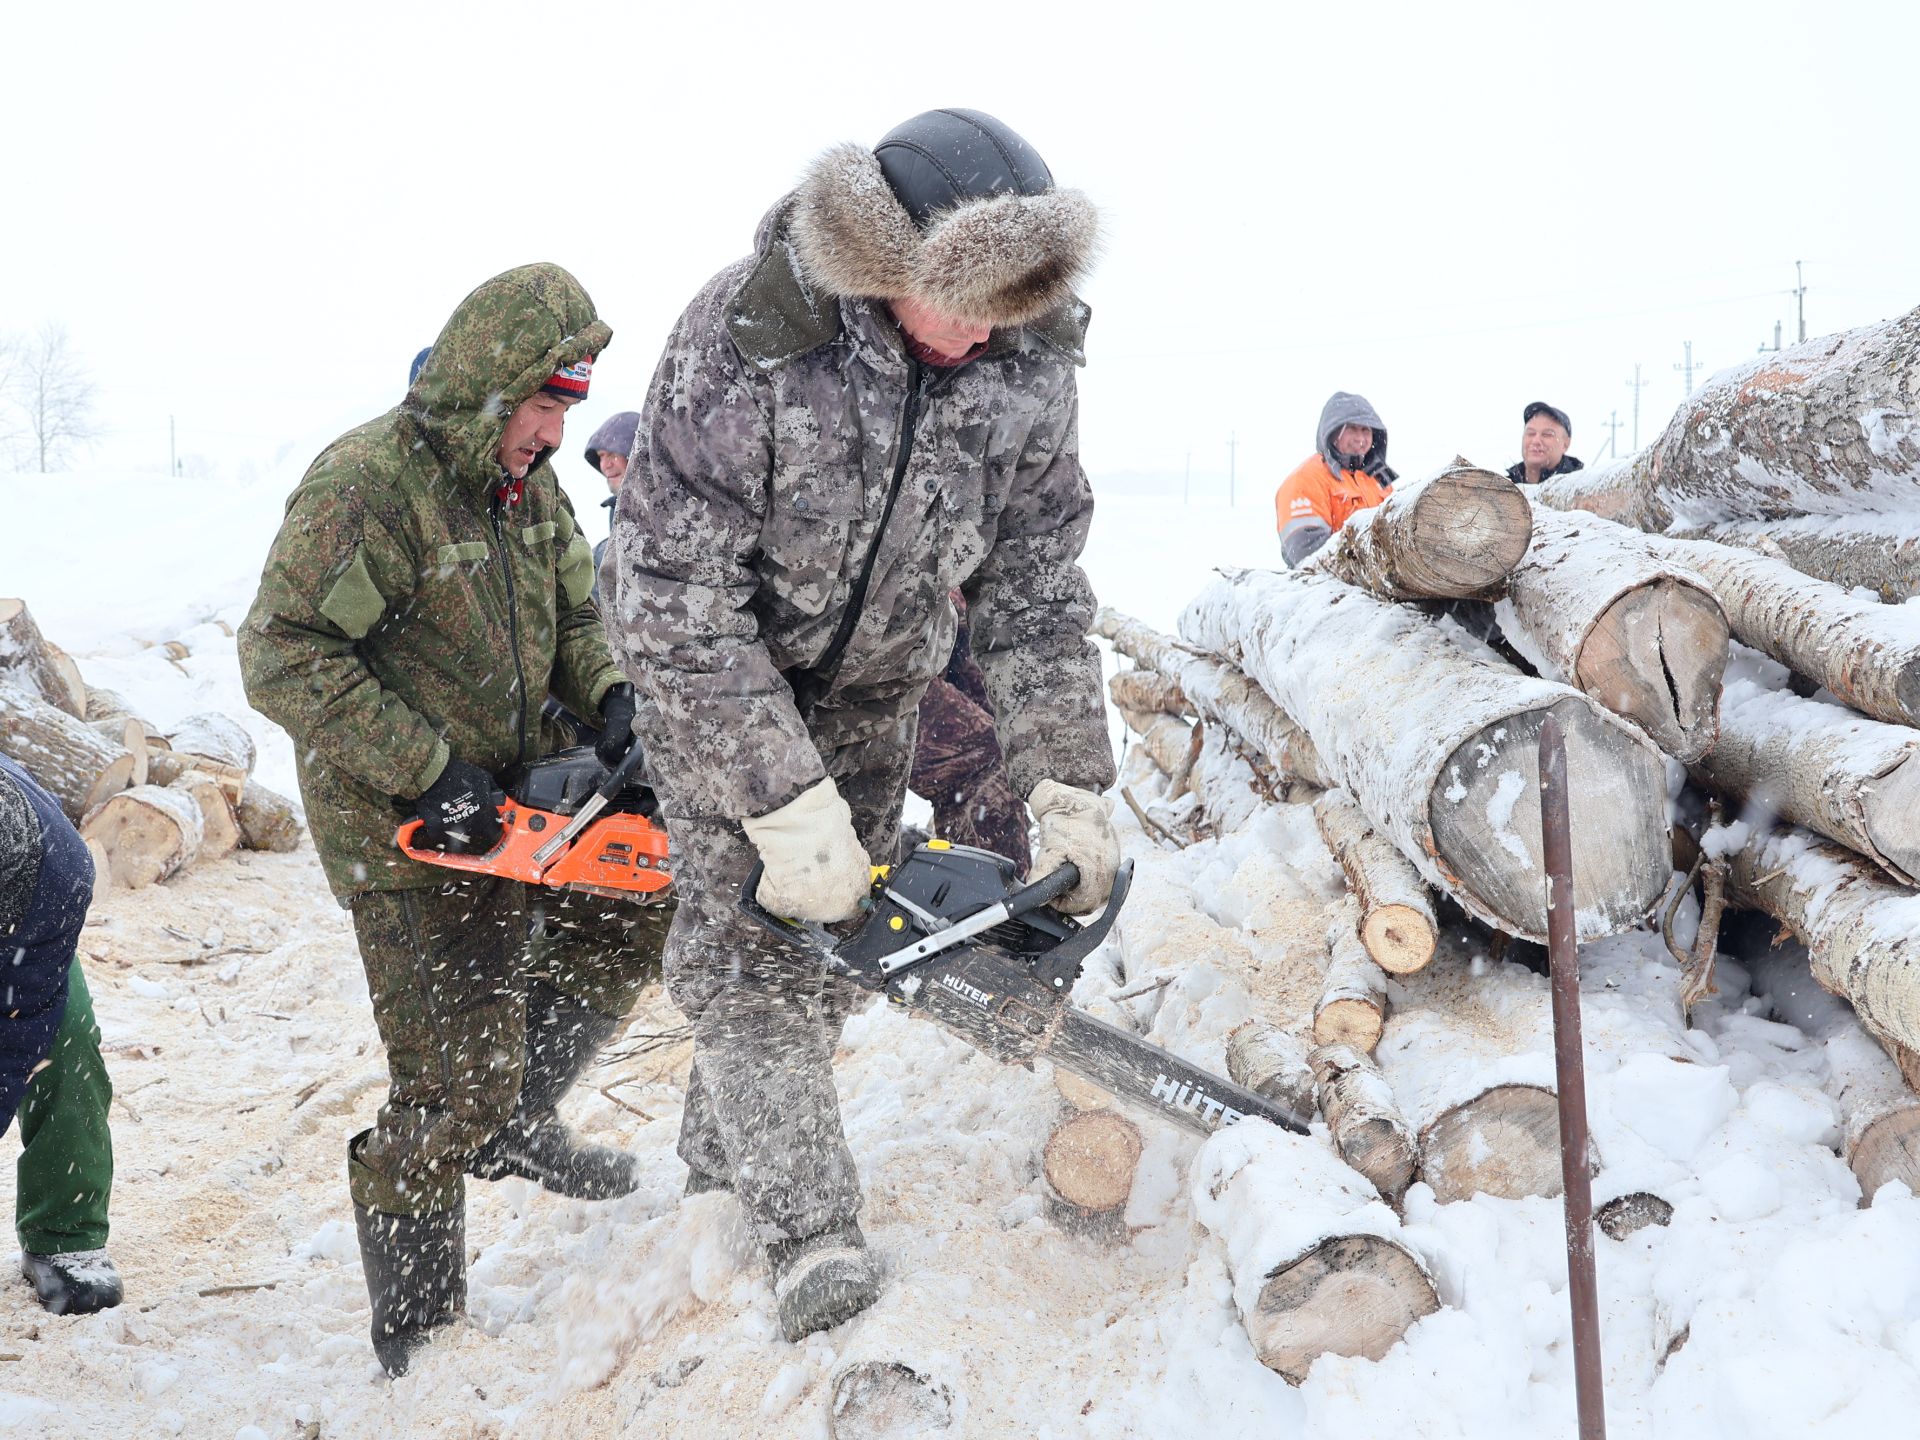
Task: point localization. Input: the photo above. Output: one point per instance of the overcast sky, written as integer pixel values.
(249, 217)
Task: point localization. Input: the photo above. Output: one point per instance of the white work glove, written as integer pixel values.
(816, 868)
(1074, 827)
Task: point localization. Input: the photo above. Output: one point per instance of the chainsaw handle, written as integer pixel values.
(1043, 891)
(622, 772)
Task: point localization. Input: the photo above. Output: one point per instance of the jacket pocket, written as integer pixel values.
(811, 514)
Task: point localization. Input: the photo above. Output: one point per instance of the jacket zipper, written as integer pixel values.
(513, 632)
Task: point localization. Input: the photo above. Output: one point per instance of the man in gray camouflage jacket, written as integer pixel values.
(874, 407)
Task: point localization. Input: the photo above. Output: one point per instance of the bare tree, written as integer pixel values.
(52, 390)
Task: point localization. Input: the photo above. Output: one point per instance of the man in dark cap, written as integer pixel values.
(1543, 445)
(875, 407)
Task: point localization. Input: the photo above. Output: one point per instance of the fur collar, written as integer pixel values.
(1004, 260)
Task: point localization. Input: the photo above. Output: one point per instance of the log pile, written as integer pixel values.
(148, 804)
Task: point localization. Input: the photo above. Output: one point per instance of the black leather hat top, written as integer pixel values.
(943, 158)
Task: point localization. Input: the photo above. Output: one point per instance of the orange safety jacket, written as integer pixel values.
(1314, 495)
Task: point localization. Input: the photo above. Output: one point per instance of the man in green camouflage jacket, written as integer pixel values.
(876, 406)
(427, 590)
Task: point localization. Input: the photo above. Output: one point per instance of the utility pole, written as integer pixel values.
(1800, 297)
(1689, 367)
(173, 463)
(1613, 433)
(1638, 385)
(1186, 488)
(1233, 445)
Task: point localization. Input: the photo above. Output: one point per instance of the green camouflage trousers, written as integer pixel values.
(448, 971)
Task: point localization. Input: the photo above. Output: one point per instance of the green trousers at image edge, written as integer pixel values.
(65, 1174)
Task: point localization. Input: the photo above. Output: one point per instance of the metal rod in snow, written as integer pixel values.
(1583, 1296)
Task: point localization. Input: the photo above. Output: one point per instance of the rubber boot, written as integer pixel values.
(563, 1037)
(416, 1269)
(823, 1280)
(76, 1283)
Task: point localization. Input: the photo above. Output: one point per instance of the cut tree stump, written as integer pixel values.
(267, 820)
(77, 765)
(1089, 1163)
(1596, 605)
(1505, 1141)
(148, 833)
(1348, 1295)
(1854, 780)
(220, 829)
(1437, 740)
(1453, 536)
(218, 745)
(29, 662)
(1368, 1129)
(1866, 653)
(1353, 1005)
(1396, 910)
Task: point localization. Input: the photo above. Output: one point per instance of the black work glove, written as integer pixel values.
(459, 811)
(616, 727)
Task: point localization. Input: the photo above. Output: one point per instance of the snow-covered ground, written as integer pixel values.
(243, 1052)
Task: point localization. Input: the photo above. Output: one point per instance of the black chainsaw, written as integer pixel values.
(951, 934)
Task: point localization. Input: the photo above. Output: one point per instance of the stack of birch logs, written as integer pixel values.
(1397, 683)
(147, 803)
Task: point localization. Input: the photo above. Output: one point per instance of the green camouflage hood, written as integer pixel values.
(498, 347)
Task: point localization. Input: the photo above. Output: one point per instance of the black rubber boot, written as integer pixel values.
(823, 1280)
(416, 1269)
(76, 1283)
(563, 1037)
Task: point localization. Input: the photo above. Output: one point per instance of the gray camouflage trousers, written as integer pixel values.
(761, 1112)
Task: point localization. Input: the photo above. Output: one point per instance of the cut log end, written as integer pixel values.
(1656, 656)
(1349, 1295)
(1348, 1022)
(1504, 1142)
(1888, 1150)
(1090, 1159)
(147, 833)
(1467, 535)
(1486, 819)
(1892, 811)
(1400, 938)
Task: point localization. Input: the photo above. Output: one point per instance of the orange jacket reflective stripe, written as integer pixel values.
(1314, 490)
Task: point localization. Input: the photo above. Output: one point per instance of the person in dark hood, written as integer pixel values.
(1348, 472)
(1543, 445)
(607, 451)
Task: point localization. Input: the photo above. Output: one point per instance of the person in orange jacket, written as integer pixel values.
(1348, 472)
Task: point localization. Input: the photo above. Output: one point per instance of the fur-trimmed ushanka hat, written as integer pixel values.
(951, 208)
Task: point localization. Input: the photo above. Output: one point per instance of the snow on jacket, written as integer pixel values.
(46, 884)
(407, 613)
(766, 453)
(1316, 499)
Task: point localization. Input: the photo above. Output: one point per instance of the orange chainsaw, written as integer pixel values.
(568, 823)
